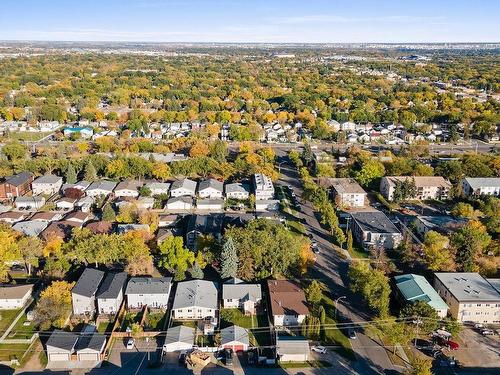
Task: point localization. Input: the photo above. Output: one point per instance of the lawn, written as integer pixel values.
(131, 318)
(308, 364)
(185, 323)
(21, 331)
(205, 340)
(156, 321)
(11, 351)
(6, 318)
(28, 136)
(104, 327)
(296, 226)
(358, 252)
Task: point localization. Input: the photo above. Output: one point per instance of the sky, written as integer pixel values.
(264, 21)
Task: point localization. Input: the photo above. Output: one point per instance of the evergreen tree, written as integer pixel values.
(229, 259)
(70, 174)
(90, 172)
(196, 271)
(108, 214)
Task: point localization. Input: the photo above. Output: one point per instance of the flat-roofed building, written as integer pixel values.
(428, 187)
(373, 228)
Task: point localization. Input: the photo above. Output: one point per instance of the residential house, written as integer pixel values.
(78, 217)
(481, 186)
(100, 227)
(373, 228)
(11, 217)
(83, 294)
(346, 192)
(128, 188)
(179, 338)
(124, 228)
(166, 220)
(195, 299)
(203, 225)
(100, 188)
(238, 295)
(184, 187)
(59, 229)
(210, 204)
(148, 291)
(287, 303)
(30, 228)
(14, 296)
(85, 203)
(65, 203)
(158, 188)
(110, 293)
(263, 186)
(16, 186)
(145, 203)
(83, 132)
(470, 297)
(237, 190)
(267, 205)
(292, 349)
(48, 216)
(46, 185)
(439, 223)
(210, 188)
(412, 288)
(80, 185)
(179, 204)
(348, 126)
(235, 338)
(428, 187)
(29, 203)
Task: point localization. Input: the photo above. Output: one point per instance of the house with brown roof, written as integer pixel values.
(16, 186)
(14, 296)
(11, 217)
(100, 227)
(48, 216)
(78, 217)
(288, 303)
(59, 229)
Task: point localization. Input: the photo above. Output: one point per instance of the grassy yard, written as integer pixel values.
(358, 252)
(11, 351)
(21, 331)
(28, 136)
(104, 327)
(6, 318)
(131, 318)
(308, 364)
(257, 336)
(155, 321)
(296, 226)
(185, 323)
(205, 340)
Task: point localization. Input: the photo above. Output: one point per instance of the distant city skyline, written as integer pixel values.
(255, 21)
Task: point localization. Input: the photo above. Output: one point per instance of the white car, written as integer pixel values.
(130, 344)
(319, 349)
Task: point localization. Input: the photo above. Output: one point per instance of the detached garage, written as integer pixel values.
(179, 338)
(60, 345)
(235, 338)
(292, 349)
(90, 347)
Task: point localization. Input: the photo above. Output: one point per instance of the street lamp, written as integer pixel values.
(279, 165)
(336, 305)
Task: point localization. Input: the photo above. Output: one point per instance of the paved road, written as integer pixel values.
(332, 270)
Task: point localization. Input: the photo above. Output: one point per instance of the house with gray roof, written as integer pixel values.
(373, 228)
(237, 190)
(292, 349)
(210, 188)
(100, 188)
(235, 338)
(29, 203)
(241, 296)
(470, 297)
(179, 204)
(412, 288)
(128, 188)
(184, 187)
(158, 188)
(148, 291)
(30, 228)
(46, 185)
(195, 299)
(110, 293)
(16, 185)
(80, 185)
(179, 338)
(83, 294)
(481, 186)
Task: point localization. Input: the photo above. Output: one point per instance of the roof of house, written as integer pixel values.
(149, 285)
(124, 228)
(443, 222)
(478, 182)
(66, 200)
(200, 293)
(287, 298)
(19, 179)
(210, 202)
(262, 182)
(102, 185)
(183, 199)
(47, 179)
(94, 341)
(185, 183)
(420, 181)
(14, 291)
(77, 216)
(237, 187)
(61, 229)
(206, 224)
(180, 334)
(129, 185)
(158, 185)
(374, 221)
(211, 183)
(27, 199)
(112, 285)
(417, 288)
(239, 291)
(495, 283)
(46, 216)
(30, 228)
(11, 215)
(100, 227)
(468, 286)
(234, 333)
(88, 283)
(62, 340)
(342, 185)
(291, 345)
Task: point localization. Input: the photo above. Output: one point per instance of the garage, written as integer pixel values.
(55, 357)
(235, 338)
(235, 348)
(179, 338)
(88, 356)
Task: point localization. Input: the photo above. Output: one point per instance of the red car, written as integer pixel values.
(452, 345)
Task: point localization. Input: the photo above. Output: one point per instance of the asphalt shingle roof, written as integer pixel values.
(200, 293)
(112, 285)
(88, 283)
(149, 285)
(234, 333)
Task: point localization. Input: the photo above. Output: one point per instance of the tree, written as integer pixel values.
(31, 249)
(370, 171)
(437, 254)
(349, 242)
(322, 315)
(175, 257)
(108, 213)
(90, 173)
(452, 326)
(470, 241)
(161, 171)
(465, 210)
(425, 317)
(14, 151)
(314, 293)
(70, 174)
(196, 271)
(419, 365)
(9, 250)
(403, 190)
(54, 306)
(228, 259)
(373, 286)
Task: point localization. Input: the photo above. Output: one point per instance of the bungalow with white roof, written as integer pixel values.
(179, 204)
(481, 186)
(14, 296)
(158, 188)
(210, 188)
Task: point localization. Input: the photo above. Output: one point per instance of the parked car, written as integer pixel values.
(130, 344)
(352, 334)
(220, 355)
(229, 357)
(182, 358)
(478, 326)
(487, 332)
(452, 345)
(319, 349)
